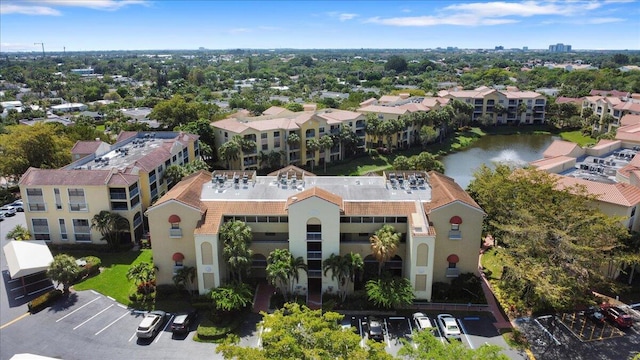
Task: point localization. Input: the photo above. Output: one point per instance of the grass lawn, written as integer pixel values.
(100, 127)
(492, 264)
(112, 281)
(577, 137)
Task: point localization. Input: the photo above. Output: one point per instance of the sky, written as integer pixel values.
(84, 25)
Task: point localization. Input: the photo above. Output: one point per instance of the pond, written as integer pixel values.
(513, 149)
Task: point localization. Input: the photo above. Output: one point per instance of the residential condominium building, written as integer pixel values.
(271, 131)
(613, 103)
(504, 106)
(126, 178)
(315, 217)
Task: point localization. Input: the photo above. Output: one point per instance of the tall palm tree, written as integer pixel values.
(143, 274)
(110, 225)
(185, 278)
(19, 233)
(236, 237)
(326, 143)
(384, 244)
(292, 140)
(295, 265)
(283, 270)
(344, 269)
(229, 151)
(313, 145)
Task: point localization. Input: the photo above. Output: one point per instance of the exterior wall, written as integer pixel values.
(621, 211)
(164, 246)
(209, 262)
(467, 248)
(314, 211)
(418, 270)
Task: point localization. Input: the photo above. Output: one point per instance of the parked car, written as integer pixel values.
(617, 316)
(449, 326)
(376, 329)
(182, 322)
(595, 314)
(8, 210)
(422, 322)
(151, 324)
(19, 205)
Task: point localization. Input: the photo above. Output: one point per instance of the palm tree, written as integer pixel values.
(173, 174)
(283, 269)
(295, 265)
(313, 145)
(63, 270)
(344, 269)
(372, 126)
(326, 143)
(111, 226)
(232, 297)
(229, 151)
(292, 140)
(19, 233)
(384, 244)
(185, 278)
(143, 274)
(236, 237)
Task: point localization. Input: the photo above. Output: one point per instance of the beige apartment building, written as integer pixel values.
(617, 104)
(314, 217)
(126, 178)
(270, 133)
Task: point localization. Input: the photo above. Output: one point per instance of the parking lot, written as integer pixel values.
(586, 329)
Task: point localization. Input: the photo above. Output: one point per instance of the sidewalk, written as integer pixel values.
(262, 297)
(502, 322)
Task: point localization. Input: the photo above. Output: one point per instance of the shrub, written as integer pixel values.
(44, 300)
(91, 268)
(209, 330)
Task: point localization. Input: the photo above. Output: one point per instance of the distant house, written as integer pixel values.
(69, 107)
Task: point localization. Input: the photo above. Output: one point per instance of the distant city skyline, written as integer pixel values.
(88, 25)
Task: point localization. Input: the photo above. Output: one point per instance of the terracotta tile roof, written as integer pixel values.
(389, 98)
(383, 109)
(215, 210)
(413, 107)
(368, 102)
(155, 158)
(628, 106)
(275, 110)
(230, 124)
(559, 148)
(444, 190)
(603, 143)
(629, 133)
(379, 208)
(630, 119)
(615, 93)
(339, 115)
(86, 147)
(317, 192)
(291, 168)
(43, 177)
(563, 99)
(122, 179)
(619, 193)
(550, 162)
(126, 135)
(187, 191)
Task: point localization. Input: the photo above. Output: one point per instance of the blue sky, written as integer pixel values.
(81, 25)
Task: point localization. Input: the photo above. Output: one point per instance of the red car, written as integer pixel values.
(617, 316)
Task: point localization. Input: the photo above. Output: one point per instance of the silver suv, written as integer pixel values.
(151, 324)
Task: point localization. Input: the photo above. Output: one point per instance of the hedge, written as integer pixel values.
(208, 330)
(91, 268)
(44, 300)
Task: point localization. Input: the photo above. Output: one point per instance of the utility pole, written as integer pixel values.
(40, 43)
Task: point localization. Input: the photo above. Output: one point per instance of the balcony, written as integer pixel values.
(455, 235)
(83, 207)
(314, 273)
(175, 233)
(177, 268)
(37, 206)
(314, 236)
(314, 254)
(452, 273)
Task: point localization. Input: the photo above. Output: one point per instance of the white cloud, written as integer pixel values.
(50, 7)
(342, 16)
(18, 47)
(503, 12)
(239, 31)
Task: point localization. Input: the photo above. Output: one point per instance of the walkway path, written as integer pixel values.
(262, 297)
(502, 322)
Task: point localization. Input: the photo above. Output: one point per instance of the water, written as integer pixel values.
(516, 150)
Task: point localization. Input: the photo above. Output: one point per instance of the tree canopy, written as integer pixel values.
(555, 240)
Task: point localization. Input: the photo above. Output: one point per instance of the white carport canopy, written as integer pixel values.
(30, 357)
(27, 257)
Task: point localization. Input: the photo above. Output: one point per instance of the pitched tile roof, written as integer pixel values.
(125, 135)
(559, 148)
(275, 110)
(618, 193)
(444, 190)
(629, 133)
(44, 177)
(383, 109)
(615, 93)
(379, 208)
(187, 191)
(628, 106)
(630, 119)
(550, 162)
(210, 224)
(86, 147)
(317, 192)
(291, 168)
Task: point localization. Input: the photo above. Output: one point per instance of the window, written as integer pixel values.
(82, 230)
(137, 220)
(276, 134)
(40, 229)
(77, 201)
(63, 230)
(455, 227)
(117, 193)
(135, 201)
(265, 146)
(56, 195)
(175, 231)
(263, 136)
(35, 200)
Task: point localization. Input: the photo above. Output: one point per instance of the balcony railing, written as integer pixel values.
(37, 206)
(455, 235)
(314, 236)
(314, 273)
(314, 254)
(79, 207)
(175, 233)
(452, 272)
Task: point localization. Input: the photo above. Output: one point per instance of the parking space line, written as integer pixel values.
(41, 290)
(122, 306)
(464, 331)
(132, 336)
(89, 319)
(113, 322)
(78, 309)
(386, 330)
(361, 333)
(164, 329)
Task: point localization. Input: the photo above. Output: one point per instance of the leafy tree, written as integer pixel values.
(144, 275)
(295, 107)
(203, 128)
(40, 146)
(229, 151)
(175, 112)
(173, 174)
(427, 347)
(232, 297)
(396, 63)
(401, 162)
(390, 292)
(313, 145)
(63, 270)
(553, 247)
(426, 161)
(384, 244)
(296, 332)
(111, 225)
(344, 269)
(19, 233)
(185, 278)
(236, 237)
(427, 134)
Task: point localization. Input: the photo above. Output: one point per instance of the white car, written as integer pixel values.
(449, 326)
(8, 210)
(19, 205)
(151, 324)
(422, 322)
